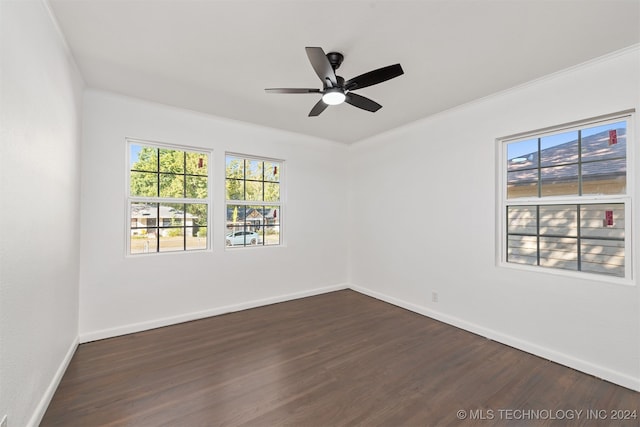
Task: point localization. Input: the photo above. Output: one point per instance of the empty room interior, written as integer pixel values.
(319, 213)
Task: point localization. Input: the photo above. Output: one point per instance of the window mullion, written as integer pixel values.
(537, 234)
(158, 171)
(184, 175)
(578, 237)
(539, 173)
(158, 227)
(579, 167)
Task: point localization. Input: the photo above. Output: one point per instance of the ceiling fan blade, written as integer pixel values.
(291, 90)
(322, 66)
(374, 77)
(362, 102)
(318, 108)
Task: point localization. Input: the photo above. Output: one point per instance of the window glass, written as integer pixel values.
(522, 155)
(253, 193)
(554, 218)
(604, 142)
(559, 181)
(559, 253)
(158, 174)
(197, 163)
(559, 149)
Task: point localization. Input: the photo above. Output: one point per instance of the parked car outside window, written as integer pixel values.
(242, 238)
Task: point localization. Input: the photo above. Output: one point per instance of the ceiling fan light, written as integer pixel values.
(333, 97)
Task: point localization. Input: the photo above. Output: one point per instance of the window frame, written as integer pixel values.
(592, 199)
(129, 199)
(280, 203)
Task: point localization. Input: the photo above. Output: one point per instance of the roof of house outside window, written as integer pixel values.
(524, 168)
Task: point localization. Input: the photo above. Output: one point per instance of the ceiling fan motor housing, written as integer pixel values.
(335, 59)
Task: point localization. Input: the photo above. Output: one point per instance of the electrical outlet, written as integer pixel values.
(434, 297)
(3, 423)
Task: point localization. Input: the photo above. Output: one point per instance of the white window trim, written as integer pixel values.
(627, 199)
(280, 203)
(129, 199)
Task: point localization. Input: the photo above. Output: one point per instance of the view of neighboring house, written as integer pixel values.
(144, 219)
(602, 163)
(253, 218)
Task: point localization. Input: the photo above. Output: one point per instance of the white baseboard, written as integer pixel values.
(40, 410)
(602, 372)
(187, 317)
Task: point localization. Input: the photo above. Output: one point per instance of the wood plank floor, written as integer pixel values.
(338, 359)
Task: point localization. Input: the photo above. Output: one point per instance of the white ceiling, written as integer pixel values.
(218, 56)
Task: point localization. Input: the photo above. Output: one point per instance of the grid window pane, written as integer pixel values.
(144, 227)
(522, 155)
(605, 177)
(196, 187)
(235, 215)
(196, 215)
(523, 220)
(559, 149)
(559, 220)
(171, 185)
(604, 142)
(559, 181)
(235, 167)
(272, 235)
(143, 184)
(197, 163)
(235, 189)
(143, 244)
(603, 256)
(522, 250)
(196, 238)
(254, 169)
(143, 158)
(253, 191)
(271, 192)
(522, 183)
(171, 161)
(172, 239)
(559, 253)
(272, 171)
(603, 221)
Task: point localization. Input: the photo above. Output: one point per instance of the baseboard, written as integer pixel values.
(158, 323)
(598, 371)
(40, 410)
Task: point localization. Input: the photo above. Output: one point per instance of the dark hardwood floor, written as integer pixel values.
(338, 359)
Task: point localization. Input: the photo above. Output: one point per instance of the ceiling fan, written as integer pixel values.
(335, 90)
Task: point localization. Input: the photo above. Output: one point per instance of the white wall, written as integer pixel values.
(437, 170)
(39, 188)
(424, 213)
(120, 294)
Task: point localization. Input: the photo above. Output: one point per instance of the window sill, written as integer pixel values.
(600, 278)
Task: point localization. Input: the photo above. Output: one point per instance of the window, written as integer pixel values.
(565, 201)
(168, 200)
(253, 201)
